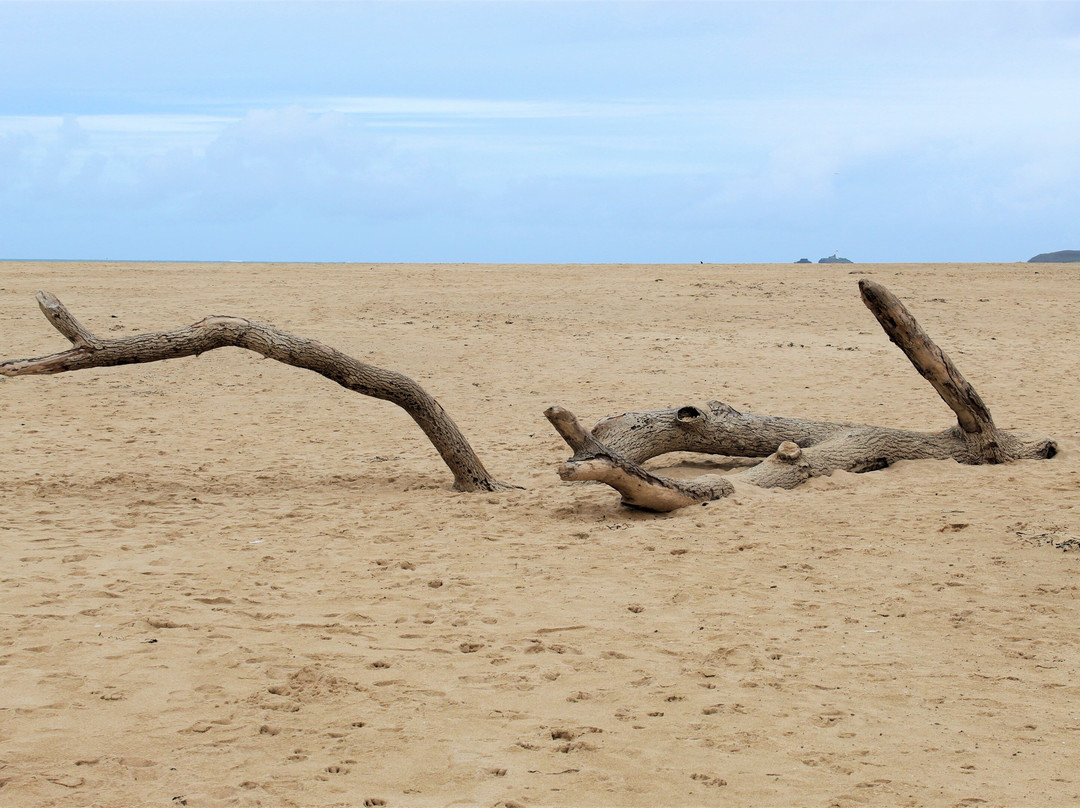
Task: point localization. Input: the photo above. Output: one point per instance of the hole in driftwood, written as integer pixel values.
(689, 413)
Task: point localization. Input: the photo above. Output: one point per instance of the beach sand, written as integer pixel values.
(231, 582)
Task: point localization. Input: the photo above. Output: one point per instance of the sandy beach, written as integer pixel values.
(231, 582)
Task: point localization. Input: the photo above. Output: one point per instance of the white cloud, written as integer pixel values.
(946, 145)
(447, 109)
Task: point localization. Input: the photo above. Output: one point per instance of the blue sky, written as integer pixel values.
(539, 132)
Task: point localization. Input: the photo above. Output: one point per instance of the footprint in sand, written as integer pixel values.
(828, 719)
(68, 781)
(709, 780)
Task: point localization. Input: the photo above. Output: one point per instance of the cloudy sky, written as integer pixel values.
(539, 132)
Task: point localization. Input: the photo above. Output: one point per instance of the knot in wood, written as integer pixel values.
(788, 452)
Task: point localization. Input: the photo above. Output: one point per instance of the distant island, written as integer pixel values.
(1059, 257)
(834, 259)
(803, 261)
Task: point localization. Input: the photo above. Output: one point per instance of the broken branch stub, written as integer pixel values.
(89, 351)
(795, 450)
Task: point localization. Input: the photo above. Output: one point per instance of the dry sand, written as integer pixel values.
(230, 582)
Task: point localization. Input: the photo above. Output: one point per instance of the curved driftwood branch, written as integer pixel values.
(593, 460)
(89, 351)
(794, 450)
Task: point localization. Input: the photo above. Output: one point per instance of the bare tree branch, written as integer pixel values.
(932, 363)
(89, 351)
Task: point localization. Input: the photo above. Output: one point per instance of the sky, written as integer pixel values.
(586, 132)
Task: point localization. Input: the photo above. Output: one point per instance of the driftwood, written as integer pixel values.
(793, 450)
(597, 461)
(89, 351)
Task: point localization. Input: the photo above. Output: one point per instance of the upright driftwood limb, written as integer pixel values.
(932, 363)
(89, 351)
(794, 450)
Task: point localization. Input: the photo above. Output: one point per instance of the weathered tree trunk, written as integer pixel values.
(89, 351)
(794, 450)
